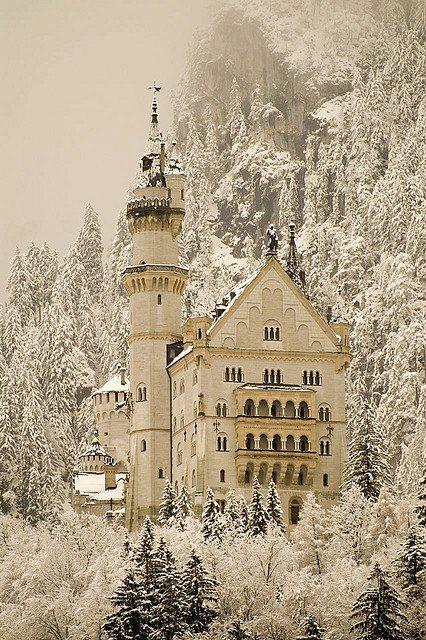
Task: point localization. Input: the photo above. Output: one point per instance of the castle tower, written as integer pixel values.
(154, 283)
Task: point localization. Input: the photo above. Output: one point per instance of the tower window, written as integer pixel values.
(141, 394)
(222, 475)
(143, 445)
(294, 511)
(159, 299)
(272, 333)
(161, 473)
(199, 334)
(325, 480)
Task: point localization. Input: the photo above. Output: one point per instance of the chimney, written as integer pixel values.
(123, 375)
(110, 478)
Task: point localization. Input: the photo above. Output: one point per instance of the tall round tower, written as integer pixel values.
(154, 283)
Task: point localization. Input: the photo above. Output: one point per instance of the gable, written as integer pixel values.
(272, 301)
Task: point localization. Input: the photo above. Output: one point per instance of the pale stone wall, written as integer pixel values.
(113, 426)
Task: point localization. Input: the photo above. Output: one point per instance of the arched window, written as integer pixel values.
(249, 409)
(271, 334)
(193, 445)
(222, 442)
(227, 378)
(278, 376)
(301, 478)
(224, 410)
(193, 478)
(276, 409)
(174, 389)
(263, 409)
(218, 409)
(182, 419)
(262, 475)
(317, 378)
(277, 333)
(274, 476)
(199, 334)
(239, 375)
(219, 443)
(159, 299)
(327, 448)
(263, 442)
(276, 443)
(247, 476)
(222, 505)
(222, 475)
(250, 441)
(143, 445)
(141, 394)
(303, 410)
(272, 377)
(266, 376)
(294, 511)
(327, 414)
(305, 377)
(324, 413)
(194, 377)
(289, 443)
(182, 386)
(266, 333)
(179, 453)
(325, 480)
(289, 409)
(303, 444)
(311, 377)
(321, 414)
(161, 473)
(225, 443)
(321, 448)
(233, 375)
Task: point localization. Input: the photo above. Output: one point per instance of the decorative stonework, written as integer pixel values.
(148, 277)
(145, 335)
(155, 219)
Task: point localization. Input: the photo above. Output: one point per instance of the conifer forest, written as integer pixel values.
(312, 111)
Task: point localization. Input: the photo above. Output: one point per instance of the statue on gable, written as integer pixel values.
(272, 238)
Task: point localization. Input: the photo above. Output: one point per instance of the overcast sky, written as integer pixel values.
(74, 107)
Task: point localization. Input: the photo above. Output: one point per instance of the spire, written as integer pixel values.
(293, 268)
(151, 166)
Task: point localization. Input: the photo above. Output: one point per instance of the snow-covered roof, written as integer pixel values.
(95, 448)
(114, 384)
(93, 485)
(233, 295)
(181, 355)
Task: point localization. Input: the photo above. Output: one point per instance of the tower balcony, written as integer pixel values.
(276, 401)
(276, 434)
(287, 468)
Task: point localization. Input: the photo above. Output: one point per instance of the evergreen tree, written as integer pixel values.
(273, 507)
(232, 513)
(377, 613)
(200, 595)
(312, 630)
(168, 505)
(168, 611)
(311, 535)
(89, 250)
(244, 513)
(237, 631)
(412, 560)
(258, 516)
(367, 460)
(211, 519)
(129, 621)
(12, 331)
(421, 504)
(19, 288)
(7, 457)
(183, 505)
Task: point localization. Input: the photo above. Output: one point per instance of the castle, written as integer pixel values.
(257, 388)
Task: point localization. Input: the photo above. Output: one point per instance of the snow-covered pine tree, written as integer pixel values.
(7, 457)
(143, 553)
(200, 595)
(244, 513)
(130, 618)
(367, 465)
(167, 615)
(236, 631)
(183, 505)
(412, 560)
(273, 507)
(12, 331)
(18, 287)
(378, 612)
(311, 630)
(168, 505)
(421, 501)
(212, 527)
(89, 250)
(232, 513)
(312, 533)
(88, 341)
(258, 516)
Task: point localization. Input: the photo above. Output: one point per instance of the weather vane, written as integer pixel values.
(154, 88)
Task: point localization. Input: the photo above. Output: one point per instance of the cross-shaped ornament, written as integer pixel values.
(216, 425)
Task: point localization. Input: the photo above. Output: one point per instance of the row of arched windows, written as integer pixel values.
(221, 409)
(277, 443)
(324, 414)
(312, 377)
(111, 396)
(272, 333)
(234, 374)
(272, 376)
(276, 410)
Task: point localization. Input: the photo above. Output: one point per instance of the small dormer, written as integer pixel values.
(195, 331)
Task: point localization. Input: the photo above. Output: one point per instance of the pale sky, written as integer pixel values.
(74, 107)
